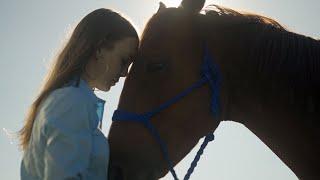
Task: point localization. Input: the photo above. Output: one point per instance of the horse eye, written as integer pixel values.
(154, 67)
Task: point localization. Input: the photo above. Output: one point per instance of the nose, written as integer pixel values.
(124, 72)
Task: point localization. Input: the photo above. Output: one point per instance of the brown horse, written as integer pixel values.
(270, 84)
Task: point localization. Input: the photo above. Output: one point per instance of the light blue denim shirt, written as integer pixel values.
(66, 141)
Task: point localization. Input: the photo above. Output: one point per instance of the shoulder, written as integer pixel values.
(66, 101)
(66, 108)
(66, 98)
(68, 94)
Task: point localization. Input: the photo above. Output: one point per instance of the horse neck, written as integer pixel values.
(250, 81)
(232, 56)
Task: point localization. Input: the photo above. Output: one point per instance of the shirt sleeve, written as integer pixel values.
(68, 139)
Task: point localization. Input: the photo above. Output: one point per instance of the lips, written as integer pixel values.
(115, 80)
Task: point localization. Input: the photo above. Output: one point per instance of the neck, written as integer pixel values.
(88, 80)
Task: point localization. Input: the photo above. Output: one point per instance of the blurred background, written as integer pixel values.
(33, 31)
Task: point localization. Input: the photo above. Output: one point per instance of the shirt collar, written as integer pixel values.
(84, 86)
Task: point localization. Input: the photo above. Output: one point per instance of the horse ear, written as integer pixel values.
(162, 6)
(194, 6)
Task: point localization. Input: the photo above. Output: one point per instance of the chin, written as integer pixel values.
(105, 89)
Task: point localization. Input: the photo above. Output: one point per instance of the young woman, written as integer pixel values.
(61, 138)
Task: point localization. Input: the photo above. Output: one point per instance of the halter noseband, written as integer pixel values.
(211, 75)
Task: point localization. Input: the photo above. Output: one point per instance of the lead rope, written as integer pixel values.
(209, 138)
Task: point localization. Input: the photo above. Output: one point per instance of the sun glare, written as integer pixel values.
(171, 3)
(176, 3)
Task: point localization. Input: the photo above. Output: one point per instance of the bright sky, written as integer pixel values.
(32, 31)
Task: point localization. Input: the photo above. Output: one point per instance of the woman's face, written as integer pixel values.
(112, 63)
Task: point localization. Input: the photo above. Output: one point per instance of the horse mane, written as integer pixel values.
(245, 17)
(278, 49)
(290, 62)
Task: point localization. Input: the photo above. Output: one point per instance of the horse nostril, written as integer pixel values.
(115, 173)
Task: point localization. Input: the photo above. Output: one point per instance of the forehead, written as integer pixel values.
(127, 45)
(167, 24)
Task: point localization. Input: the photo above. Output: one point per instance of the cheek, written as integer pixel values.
(116, 70)
(102, 73)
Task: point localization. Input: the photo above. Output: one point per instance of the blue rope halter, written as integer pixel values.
(211, 75)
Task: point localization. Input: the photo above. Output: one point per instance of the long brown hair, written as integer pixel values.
(100, 28)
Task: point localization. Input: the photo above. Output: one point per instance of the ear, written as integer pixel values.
(193, 6)
(161, 7)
